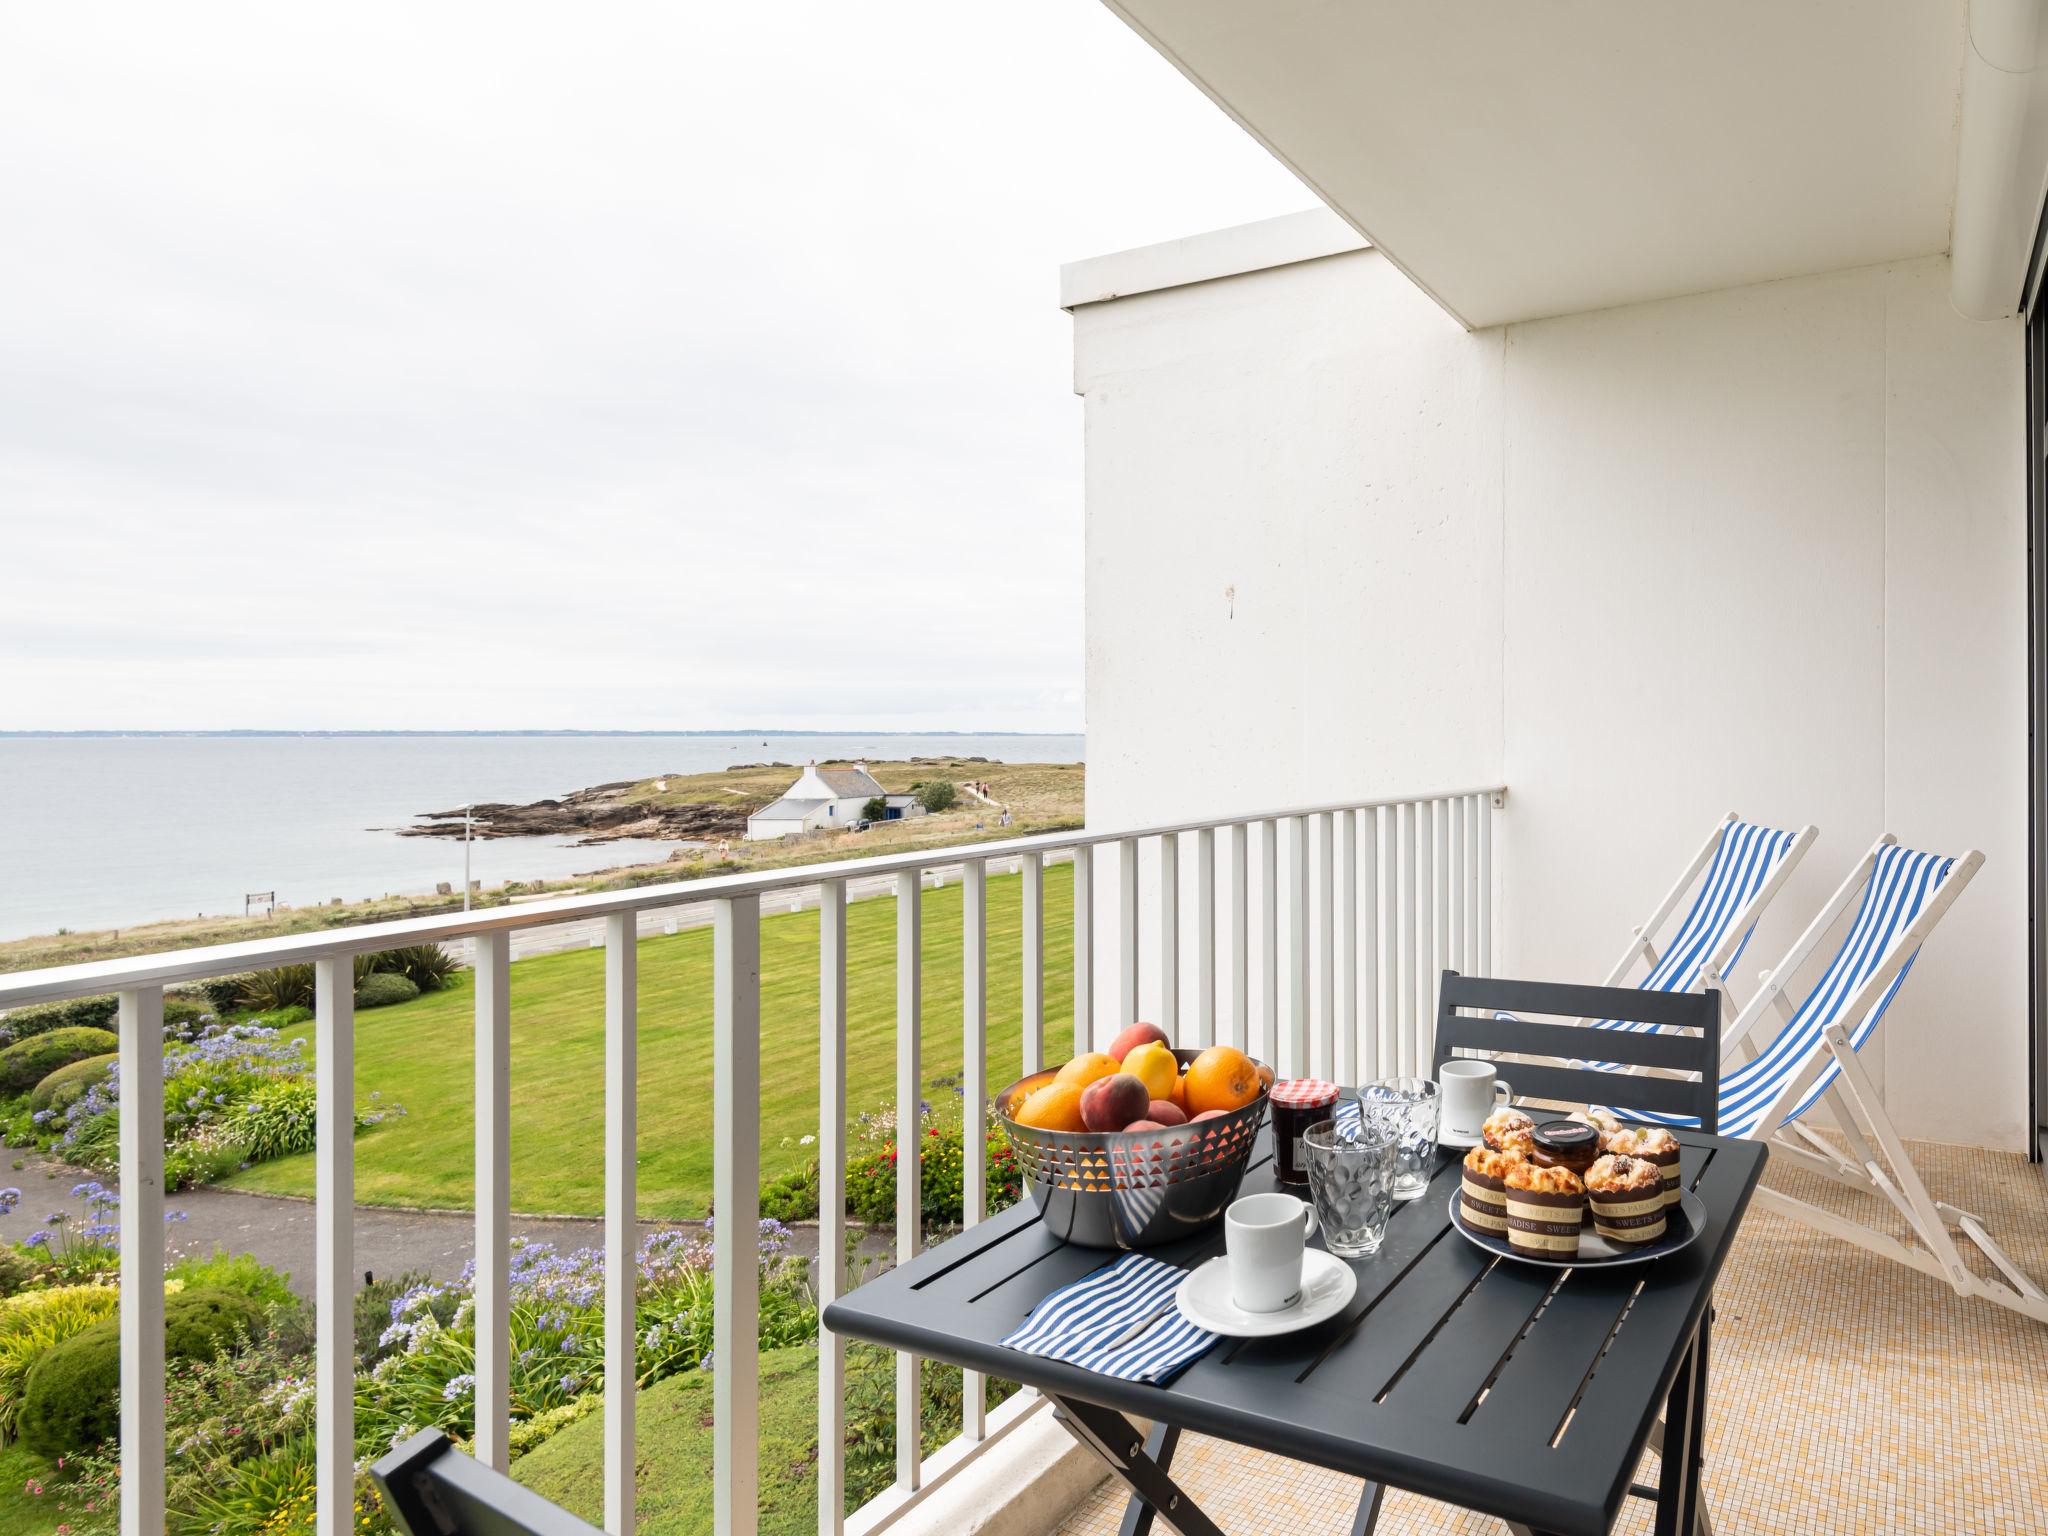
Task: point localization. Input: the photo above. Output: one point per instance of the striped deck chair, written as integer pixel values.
(1812, 1058)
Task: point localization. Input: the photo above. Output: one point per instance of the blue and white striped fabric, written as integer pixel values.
(1082, 1323)
(1738, 870)
(1901, 882)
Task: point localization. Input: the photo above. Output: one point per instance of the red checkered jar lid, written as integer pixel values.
(1304, 1093)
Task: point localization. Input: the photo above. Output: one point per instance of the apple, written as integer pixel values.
(1144, 1125)
(1167, 1113)
(1111, 1103)
(1136, 1035)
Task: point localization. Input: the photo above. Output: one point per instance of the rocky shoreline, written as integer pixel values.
(600, 814)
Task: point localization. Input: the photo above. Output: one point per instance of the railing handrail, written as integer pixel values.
(170, 968)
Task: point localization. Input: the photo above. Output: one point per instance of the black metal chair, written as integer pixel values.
(432, 1489)
(1574, 1062)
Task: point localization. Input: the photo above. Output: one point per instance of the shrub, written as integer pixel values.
(242, 1273)
(224, 992)
(71, 1400)
(380, 989)
(36, 1322)
(871, 1171)
(78, 1013)
(427, 966)
(936, 795)
(66, 1084)
(284, 986)
(28, 1062)
(185, 1017)
(277, 1119)
(877, 809)
(17, 1272)
(792, 1196)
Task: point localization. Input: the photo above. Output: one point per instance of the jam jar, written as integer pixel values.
(1296, 1105)
(1565, 1144)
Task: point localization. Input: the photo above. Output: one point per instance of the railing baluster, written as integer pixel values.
(1440, 954)
(1126, 933)
(493, 1199)
(1031, 867)
(1084, 950)
(1169, 935)
(1485, 963)
(973, 1091)
(909, 1194)
(1454, 877)
(1323, 933)
(1473, 895)
(1425, 932)
(1346, 876)
(1403, 1061)
(334, 1255)
(1205, 936)
(831, 1203)
(1369, 946)
(1237, 941)
(1292, 1060)
(141, 1146)
(736, 1198)
(621, 1210)
(1268, 1006)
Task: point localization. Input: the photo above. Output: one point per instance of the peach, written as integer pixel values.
(1144, 1125)
(1134, 1036)
(1209, 1114)
(1111, 1103)
(1166, 1112)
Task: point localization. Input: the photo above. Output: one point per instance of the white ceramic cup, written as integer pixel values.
(1471, 1092)
(1264, 1236)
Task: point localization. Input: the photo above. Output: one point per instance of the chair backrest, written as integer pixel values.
(432, 1489)
(1671, 1031)
(1725, 906)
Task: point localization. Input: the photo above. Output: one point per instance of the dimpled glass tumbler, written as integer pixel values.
(1407, 1107)
(1351, 1176)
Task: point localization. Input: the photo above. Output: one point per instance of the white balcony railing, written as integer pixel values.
(1334, 923)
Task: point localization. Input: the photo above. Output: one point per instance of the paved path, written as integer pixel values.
(280, 1230)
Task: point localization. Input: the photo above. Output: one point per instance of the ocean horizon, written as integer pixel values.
(108, 829)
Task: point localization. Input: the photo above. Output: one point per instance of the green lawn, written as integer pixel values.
(419, 1054)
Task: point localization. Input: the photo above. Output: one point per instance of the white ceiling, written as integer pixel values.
(1529, 159)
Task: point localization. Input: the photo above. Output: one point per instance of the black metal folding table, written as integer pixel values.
(1518, 1391)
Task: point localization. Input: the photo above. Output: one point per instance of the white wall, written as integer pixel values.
(1757, 550)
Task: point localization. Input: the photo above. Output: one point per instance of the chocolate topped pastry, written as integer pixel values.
(1482, 1196)
(1508, 1130)
(1653, 1144)
(1627, 1197)
(1546, 1209)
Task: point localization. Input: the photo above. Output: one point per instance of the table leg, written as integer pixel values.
(1685, 1412)
(1160, 1446)
(1367, 1520)
(1109, 1435)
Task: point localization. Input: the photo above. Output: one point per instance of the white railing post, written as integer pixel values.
(1347, 947)
(141, 1036)
(1484, 965)
(1454, 877)
(831, 1203)
(1236, 949)
(1440, 954)
(1126, 934)
(1169, 935)
(1403, 1059)
(1205, 936)
(1031, 867)
(1473, 895)
(1369, 1056)
(1268, 1035)
(334, 1253)
(1323, 933)
(1084, 950)
(909, 1133)
(1425, 935)
(493, 1199)
(1292, 1059)
(973, 1092)
(736, 1199)
(621, 1211)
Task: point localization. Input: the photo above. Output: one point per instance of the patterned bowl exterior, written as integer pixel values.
(1123, 1189)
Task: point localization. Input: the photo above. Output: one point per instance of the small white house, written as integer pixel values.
(825, 799)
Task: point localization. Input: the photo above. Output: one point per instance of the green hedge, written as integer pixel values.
(78, 1013)
(72, 1399)
(68, 1084)
(380, 989)
(27, 1062)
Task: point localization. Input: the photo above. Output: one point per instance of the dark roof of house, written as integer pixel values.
(848, 782)
(787, 810)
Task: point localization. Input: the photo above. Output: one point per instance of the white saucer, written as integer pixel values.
(1327, 1283)
(1446, 1137)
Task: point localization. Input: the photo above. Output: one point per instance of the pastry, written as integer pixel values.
(1651, 1144)
(1627, 1197)
(1482, 1196)
(1546, 1209)
(1508, 1130)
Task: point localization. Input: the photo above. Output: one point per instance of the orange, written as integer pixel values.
(1055, 1107)
(1179, 1097)
(1222, 1077)
(1086, 1068)
(1153, 1065)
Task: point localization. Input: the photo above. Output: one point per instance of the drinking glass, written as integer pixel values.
(1351, 1176)
(1408, 1108)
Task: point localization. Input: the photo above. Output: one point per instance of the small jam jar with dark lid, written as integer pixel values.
(1296, 1105)
(1565, 1144)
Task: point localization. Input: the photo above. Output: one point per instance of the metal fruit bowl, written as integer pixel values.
(1133, 1189)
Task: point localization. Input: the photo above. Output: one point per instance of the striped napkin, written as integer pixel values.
(1350, 1117)
(1090, 1323)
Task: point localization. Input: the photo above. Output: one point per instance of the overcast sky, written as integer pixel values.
(633, 365)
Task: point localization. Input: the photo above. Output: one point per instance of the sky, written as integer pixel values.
(634, 366)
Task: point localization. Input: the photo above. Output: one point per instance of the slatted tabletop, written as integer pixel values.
(1517, 1391)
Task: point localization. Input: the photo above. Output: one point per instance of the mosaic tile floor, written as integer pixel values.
(1850, 1395)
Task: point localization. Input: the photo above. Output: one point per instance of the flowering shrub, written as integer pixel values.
(871, 1169)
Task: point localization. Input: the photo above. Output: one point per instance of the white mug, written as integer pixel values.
(1471, 1093)
(1264, 1236)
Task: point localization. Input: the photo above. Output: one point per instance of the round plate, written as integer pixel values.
(1682, 1223)
(1446, 1137)
(1327, 1283)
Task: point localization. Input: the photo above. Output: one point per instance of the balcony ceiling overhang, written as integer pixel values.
(1523, 160)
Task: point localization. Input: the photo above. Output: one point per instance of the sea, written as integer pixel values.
(107, 831)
